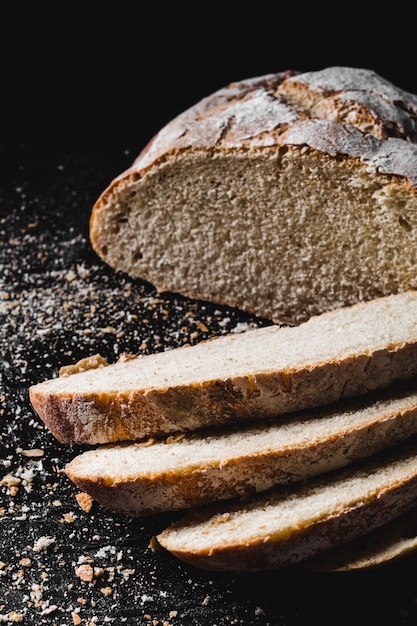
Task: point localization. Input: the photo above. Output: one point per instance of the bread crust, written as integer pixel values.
(94, 418)
(395, 540)
(158, 480)
(82, 409)
(356, 126)
(362, 513)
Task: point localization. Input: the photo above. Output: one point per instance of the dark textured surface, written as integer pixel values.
(59, 303)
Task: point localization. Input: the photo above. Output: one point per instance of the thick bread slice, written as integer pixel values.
(391, 542)
(254, 375)
(287, 525)
(188, 471)
(254, 196)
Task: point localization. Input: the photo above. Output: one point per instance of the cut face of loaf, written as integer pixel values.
(255, 375)
(285, 195)
(189, 471)
(287, 525)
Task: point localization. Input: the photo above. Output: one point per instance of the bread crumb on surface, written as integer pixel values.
(85, 501)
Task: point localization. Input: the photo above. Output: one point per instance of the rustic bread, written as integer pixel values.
(391, 542)
(284, 195)
(257, 374)
(290, 524)
(192, 470)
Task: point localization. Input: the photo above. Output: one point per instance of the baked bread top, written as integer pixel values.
(285, 195)
(318, 109)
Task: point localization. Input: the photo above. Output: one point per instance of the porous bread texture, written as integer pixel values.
(259, 374)
(193, 470)
(288, 525)
(284, 195)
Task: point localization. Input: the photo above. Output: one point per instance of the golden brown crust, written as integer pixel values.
(391, 542)
(307, 542)
(158, 489)
(114, 416)
(302, 542)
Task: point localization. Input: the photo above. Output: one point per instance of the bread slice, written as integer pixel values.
(285, 195)
(391, 542)
(250, 376)
(290, 524)
(188, 471)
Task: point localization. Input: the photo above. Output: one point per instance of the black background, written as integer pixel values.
(83, 88)
(117, 73)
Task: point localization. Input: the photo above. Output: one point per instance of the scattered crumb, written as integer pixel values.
(154, 544)
(85, 501)
(76, 619)
(106, 591)
(85, 572)
(33, 453)
(92, 362)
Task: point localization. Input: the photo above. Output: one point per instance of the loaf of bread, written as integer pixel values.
(139, 479)
(254, 375)
(287, 525)
(285, 195)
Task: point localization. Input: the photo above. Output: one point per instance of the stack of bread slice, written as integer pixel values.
(279, 443)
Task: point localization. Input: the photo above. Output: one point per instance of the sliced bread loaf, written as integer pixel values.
(391, 542)
(191, 470)
(290, 524)
(254, 375)
(254, 196)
